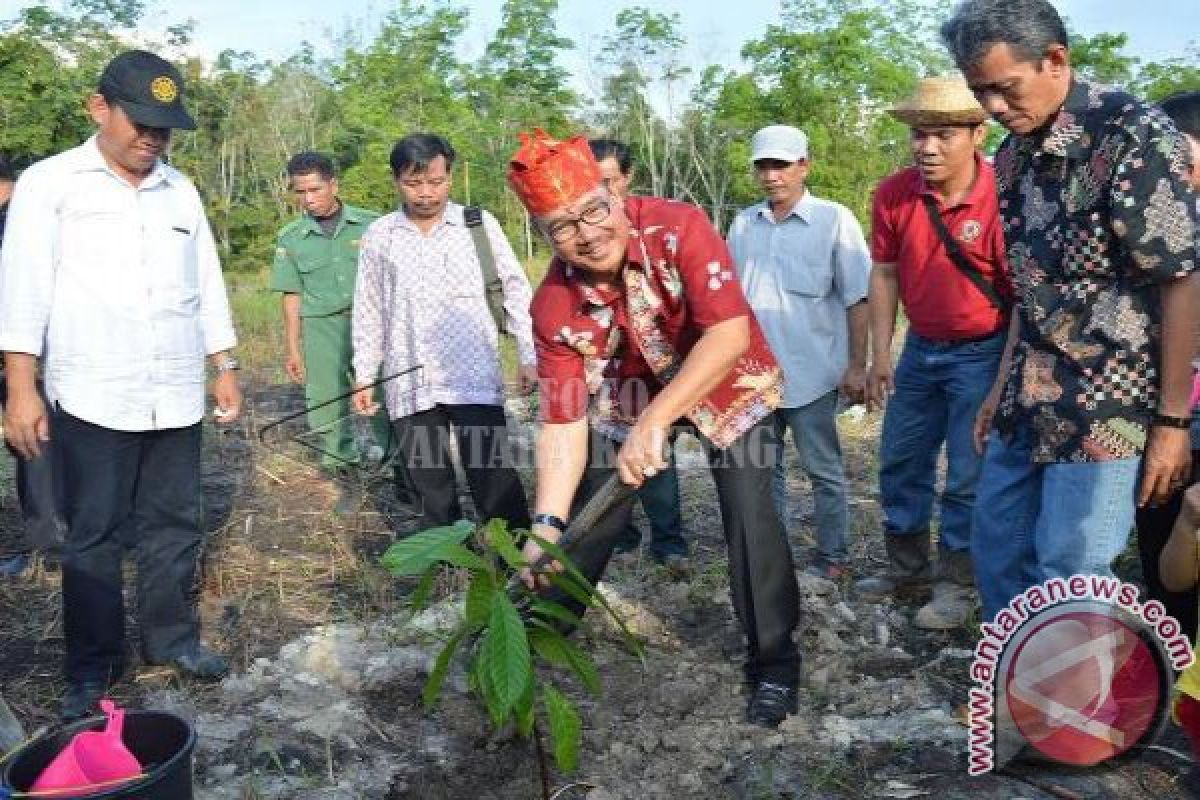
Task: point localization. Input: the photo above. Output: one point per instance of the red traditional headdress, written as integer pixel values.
(548, 174)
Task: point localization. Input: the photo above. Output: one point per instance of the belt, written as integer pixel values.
(964, 340)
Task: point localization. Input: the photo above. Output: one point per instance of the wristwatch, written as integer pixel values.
(1167, 421)
(226, 365)
(550, 520)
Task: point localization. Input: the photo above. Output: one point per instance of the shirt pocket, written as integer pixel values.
(809, 278)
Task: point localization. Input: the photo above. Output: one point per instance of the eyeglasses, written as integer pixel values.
(565, 230)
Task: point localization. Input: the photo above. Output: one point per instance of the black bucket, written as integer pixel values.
(161, 742)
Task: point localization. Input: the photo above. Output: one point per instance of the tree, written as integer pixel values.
(408, 79)
(644, 59)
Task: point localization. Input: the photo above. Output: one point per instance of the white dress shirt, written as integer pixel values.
(117, 288)
(800, 275)
(419, 302)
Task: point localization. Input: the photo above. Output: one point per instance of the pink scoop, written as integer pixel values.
(94, 760)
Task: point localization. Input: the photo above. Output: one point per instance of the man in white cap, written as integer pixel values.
(938, 247)
(804, 266)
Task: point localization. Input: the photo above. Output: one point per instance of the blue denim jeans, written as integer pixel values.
(814, 431)
(1034, 522)
(939, 388)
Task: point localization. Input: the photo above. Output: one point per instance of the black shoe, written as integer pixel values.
(200, 663)
(770, 704)
(82, 698)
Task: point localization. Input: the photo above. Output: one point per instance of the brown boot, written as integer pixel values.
(908, 567)
(954, 596)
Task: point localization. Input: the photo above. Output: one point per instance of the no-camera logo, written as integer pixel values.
(1077, 670)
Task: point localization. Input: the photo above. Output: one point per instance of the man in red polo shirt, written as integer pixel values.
(641, 326)
(938, 247)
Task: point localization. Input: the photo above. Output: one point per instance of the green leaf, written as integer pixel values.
(555, 649)
(433, 686)
(565, 728)
(549, 647)
(501, 540)
(524, 711)
(504, 659)
(583, 667)
(460, 556)
(420, 596)
(548, 609)
(560, 555)
(417, 553)
(480, 595)
(568, 585)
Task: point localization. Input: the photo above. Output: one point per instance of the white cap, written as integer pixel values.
(779, 143)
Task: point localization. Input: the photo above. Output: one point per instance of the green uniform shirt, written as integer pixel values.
(320, 268)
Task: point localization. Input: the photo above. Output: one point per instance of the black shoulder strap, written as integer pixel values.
(493, 288)
(959, 258)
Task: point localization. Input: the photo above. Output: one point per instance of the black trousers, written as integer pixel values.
(142, 487)
(1154, 524)
(761, 575)
(423, 445)
(37, 495)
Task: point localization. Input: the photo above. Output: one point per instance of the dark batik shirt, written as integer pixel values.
(1097, 215)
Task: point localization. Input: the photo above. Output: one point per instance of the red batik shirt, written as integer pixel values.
(611, 352)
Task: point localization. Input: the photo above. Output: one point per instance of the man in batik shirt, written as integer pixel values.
(641, 317)
(1100, 227)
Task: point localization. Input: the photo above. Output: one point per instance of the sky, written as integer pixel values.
(715, 29)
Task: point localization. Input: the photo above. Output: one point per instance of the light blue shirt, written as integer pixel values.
(800, 275)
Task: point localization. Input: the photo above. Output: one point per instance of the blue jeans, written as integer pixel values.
(814, 430)
(1034, 522)
(660, 501)
(939, 388)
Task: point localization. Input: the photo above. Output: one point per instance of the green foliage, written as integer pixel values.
(830, 67)
(520, 635)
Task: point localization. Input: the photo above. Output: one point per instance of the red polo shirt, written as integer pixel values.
(941, 302)
(614, 350)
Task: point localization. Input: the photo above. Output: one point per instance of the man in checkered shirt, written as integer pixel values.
(420, 312)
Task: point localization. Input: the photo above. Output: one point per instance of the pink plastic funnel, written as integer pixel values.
(94, 760)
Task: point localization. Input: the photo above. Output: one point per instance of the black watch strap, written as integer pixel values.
(1167, 421)
(549, 519)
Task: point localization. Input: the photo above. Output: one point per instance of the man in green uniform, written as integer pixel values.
(315, 265)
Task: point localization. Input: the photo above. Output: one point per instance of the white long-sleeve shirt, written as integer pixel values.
(419, 302)
(117, 288)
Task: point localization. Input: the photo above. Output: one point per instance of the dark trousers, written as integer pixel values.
(423, 446)
(761, 575)
(44, 526)
(37, 496)
(660, 501)
(145, 485)
(1154, 524)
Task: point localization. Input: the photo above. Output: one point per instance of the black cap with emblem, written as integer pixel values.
(148, 88)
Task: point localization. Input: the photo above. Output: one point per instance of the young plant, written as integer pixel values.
(515, 637)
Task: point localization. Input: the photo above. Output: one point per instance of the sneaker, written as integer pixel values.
(770, 704)
(950, 607)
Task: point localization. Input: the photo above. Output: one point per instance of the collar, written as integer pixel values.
(348, 216)
(452, 215)
(587, 295)
(802, 209)
(90, 159)
(985, 185)
(1064, 136)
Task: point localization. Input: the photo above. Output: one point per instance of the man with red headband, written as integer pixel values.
(640, 327)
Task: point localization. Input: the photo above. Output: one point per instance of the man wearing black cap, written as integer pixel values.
(110, 277)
